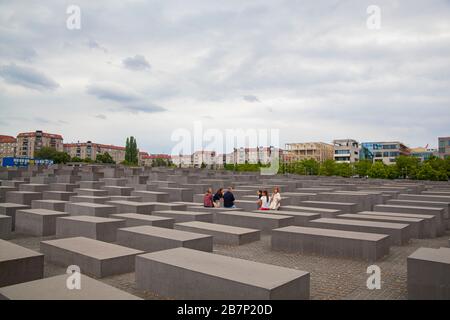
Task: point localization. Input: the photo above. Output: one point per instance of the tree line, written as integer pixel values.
(434, 168)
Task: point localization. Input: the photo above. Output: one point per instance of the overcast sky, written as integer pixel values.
(312, 69)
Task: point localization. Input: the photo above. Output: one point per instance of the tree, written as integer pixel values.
(343, 169)
(426, 172)
(362, 167)
(203, 165)
(392, 172)
(105, 158)
(407, 166)
(52, 154)
(328, 168)
(76, 159)
(131, 151)
(377, 171)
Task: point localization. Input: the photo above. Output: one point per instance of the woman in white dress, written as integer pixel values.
(275, 200)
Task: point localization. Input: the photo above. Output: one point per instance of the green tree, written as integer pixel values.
(343, 169)
(328, 168)
(362, 167)
(392, 172)
(52, 154)
(377, 171)
(131, 151)
(426, 172)
(76, 159)
(104, 158)
(407, 166)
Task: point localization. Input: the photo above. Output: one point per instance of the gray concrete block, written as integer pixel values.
(55, 205)
(119, 182)
(330, 242)
(55, 288)
(151, 196)
(161, 206)
(132, 207)
(69, 187)
(58, 195)
(429, 222)
(34, 187)
(398, 232)
(342, 206)
(22, 197)
(417, 226)
(96, 258)
(149, 239)
(190, 274)
(438, 212)
(300, 218)
(90, 209)
(9, 209)
(185, 216)
(37, 222)
(178, 194)
(246, 205)
(428, 274)
(259, 221)
(92, 192)
(103, 229)
(222, 234)
(90, 199)
(5, 227)
(118, 190)
(19, 264)
(363, 201)
(91, 184)
(135, 219)
(324, 213)
(418, 203)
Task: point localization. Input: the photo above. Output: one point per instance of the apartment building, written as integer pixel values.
(319, 151)
(148, 159)
(183, 161)
(203, 157)
(346, 151)
(8, 146)
(90, 150)
(386, 152)
(444, 147)
(28, 143)
(423, 153)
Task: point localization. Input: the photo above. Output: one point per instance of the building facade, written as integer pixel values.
(318, 151)
(423, 153)
(28, 143)
(8, 146)
(203, 157)
(346, 151)
(444, 147)
(149, 159)
(90, 150)
(386, 152)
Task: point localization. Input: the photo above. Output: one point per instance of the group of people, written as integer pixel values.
(211, 200)
(265, 202)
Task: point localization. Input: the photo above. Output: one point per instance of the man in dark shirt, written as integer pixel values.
(228, 199)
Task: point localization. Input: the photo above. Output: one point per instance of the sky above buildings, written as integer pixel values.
(312, 69)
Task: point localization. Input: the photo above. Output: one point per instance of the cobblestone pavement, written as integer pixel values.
(331, 278)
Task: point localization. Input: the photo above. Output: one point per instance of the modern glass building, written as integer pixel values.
(387, 152)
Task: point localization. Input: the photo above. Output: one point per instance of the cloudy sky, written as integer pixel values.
(312, 69)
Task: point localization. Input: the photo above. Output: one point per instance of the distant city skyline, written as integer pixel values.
(313, 70)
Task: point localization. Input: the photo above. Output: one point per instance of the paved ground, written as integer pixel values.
(331, 278)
